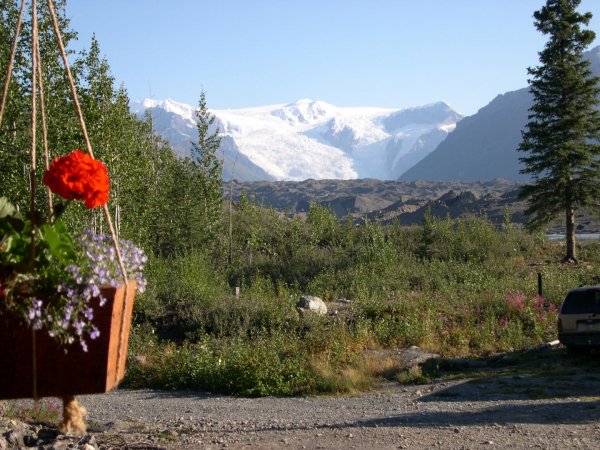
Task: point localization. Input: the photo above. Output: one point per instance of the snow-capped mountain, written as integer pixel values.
(311, 139)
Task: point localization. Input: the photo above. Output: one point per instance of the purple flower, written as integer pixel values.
(69, 315)
(78, 325)
(88, 313)
(94, 333)
(35, 311)
(68, 311)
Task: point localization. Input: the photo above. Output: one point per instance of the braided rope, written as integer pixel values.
(32, 171)
(44, 128)
(11, 61)
(88, 145)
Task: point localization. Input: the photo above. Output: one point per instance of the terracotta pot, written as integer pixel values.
(67, 370)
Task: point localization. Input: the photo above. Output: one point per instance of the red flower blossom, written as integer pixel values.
(77, 176)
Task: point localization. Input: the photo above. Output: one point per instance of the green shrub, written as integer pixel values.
(275, 364)
(181, 291)
(460, 288)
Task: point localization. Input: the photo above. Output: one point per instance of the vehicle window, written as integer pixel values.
(582, 302)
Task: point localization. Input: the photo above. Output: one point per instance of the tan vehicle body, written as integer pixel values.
(579, 318)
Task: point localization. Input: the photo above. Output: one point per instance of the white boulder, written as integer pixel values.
(311, 303)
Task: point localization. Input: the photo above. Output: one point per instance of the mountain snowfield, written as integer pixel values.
(313, 139)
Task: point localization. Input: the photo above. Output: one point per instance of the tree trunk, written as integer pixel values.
(570, 236)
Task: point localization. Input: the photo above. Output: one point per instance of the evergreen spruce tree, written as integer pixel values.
(427, 235)
(562, 136)
(209, 172)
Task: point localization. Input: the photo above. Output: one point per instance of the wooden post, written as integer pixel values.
(540, 284)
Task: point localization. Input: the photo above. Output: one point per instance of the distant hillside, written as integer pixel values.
(382, 200)
(404, 201)
(484, 146)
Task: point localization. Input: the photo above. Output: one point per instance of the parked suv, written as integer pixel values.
(579, 318)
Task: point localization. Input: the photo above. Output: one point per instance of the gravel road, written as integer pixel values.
(450, 415)
(544, 399)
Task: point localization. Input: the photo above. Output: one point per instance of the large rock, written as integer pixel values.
(14, 439)
(414, 356)
(311, 303)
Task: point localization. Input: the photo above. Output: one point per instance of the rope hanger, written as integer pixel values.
(37, 90)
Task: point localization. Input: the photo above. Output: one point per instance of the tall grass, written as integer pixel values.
(461, 288)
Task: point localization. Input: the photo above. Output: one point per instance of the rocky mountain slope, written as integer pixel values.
(405, 201)
(484, 146)
(387, 200)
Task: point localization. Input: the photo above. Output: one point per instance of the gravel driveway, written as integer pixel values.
(552, 402)
(459, 414)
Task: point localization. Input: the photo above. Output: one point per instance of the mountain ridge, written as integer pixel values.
(310, 138)
(484, 145)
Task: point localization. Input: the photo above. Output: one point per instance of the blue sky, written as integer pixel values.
(388, 53)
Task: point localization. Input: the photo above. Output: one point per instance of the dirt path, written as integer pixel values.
(445, 415)
(549, 402)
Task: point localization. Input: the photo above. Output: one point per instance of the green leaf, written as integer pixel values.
(60, 244)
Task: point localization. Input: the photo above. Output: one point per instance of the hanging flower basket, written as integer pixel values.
(67, 369)
(61, 331)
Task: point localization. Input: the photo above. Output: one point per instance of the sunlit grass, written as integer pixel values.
(462, 290)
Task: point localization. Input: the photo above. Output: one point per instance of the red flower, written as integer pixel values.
(77, 176)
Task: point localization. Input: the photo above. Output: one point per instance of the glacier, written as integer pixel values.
(314, 139)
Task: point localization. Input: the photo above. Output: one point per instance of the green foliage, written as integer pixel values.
(53, 247)
(427, 235)
(182, 291)
(456, 302)
(15, 137)
(322, 224)
(263, 366)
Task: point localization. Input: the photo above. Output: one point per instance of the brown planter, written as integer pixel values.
(67, 370)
